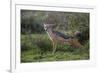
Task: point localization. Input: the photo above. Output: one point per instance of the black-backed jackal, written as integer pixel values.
(56, 36)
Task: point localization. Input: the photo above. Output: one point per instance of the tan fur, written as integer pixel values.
(55, 39)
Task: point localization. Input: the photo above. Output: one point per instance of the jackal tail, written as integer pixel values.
(74, 42)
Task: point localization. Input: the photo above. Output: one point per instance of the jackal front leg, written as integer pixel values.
(54, 48)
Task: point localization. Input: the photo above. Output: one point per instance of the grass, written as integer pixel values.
(38, 48)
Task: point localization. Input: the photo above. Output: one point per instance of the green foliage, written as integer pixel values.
(32, 22)
(39, 49)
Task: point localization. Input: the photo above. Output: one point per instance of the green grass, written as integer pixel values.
(38, 48)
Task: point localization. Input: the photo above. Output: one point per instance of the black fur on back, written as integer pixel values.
(62, 35)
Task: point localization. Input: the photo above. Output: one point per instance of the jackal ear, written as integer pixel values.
(44, 25)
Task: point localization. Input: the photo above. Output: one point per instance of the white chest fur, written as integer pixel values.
(49, 36)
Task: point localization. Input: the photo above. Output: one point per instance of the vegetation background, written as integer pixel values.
(35, 43)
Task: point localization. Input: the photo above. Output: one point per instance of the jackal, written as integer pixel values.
(56, 36)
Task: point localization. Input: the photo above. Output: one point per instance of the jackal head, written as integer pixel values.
(47, 26)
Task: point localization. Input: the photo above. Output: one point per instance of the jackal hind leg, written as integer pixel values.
(77, 44)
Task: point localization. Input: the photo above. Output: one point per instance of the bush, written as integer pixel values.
(39, 48)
